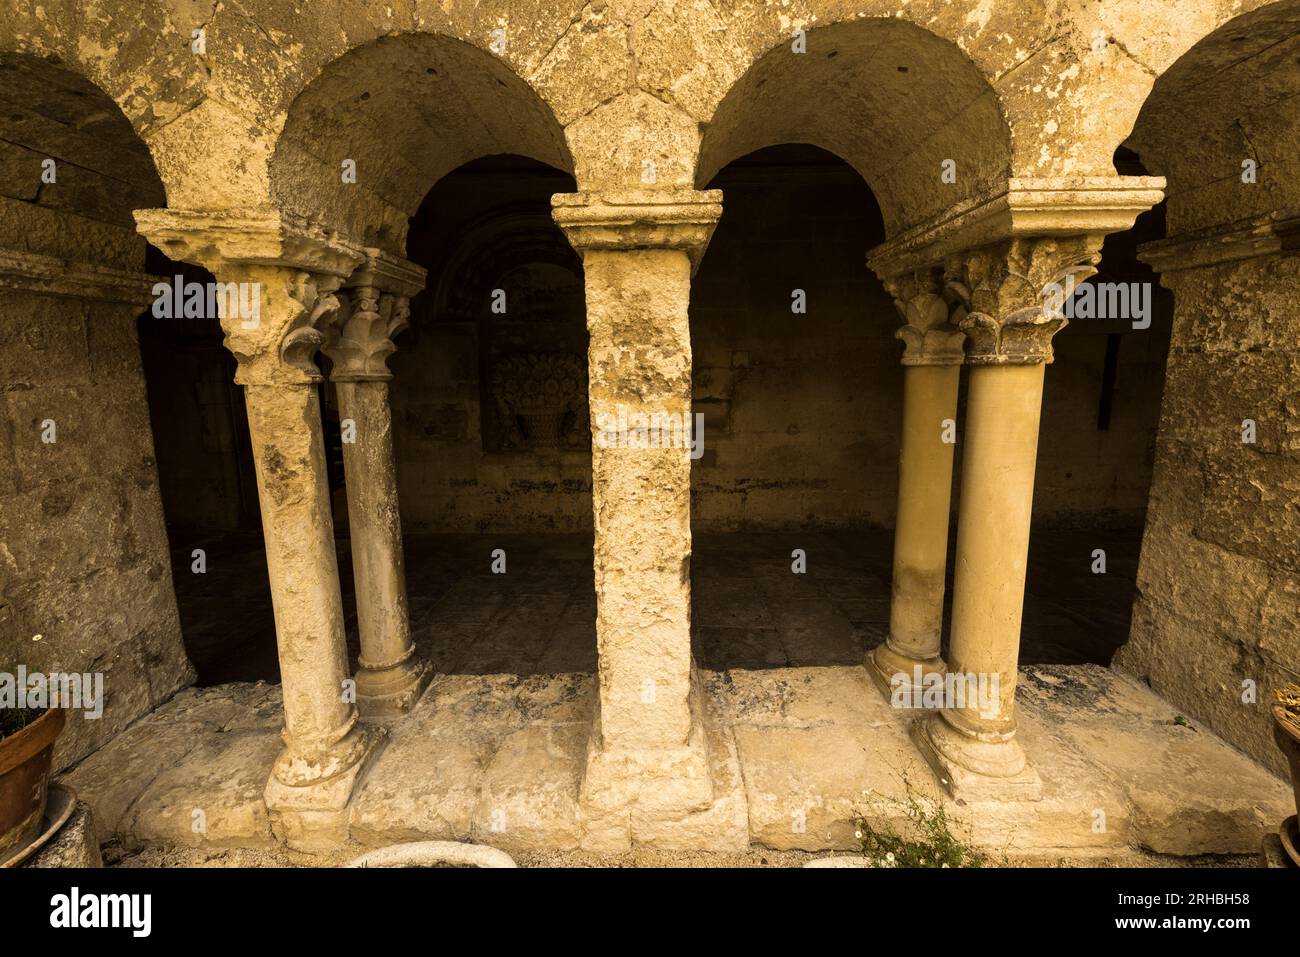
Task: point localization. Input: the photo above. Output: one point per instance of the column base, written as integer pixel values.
(883, 664)
(390, 691)
(662, 797)
(313, 816)
(972, 770)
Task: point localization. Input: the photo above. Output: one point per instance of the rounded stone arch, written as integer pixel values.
(892, 99)
(1226, 110)
(71, 152)
(494, 244)
(405, 110)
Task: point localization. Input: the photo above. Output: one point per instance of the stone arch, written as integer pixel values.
(55, 123)
(923, 103)
(1231, 98)
(407, 110)
(491, 245)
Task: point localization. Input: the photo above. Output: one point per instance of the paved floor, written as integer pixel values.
(750, 610)
(797, 755)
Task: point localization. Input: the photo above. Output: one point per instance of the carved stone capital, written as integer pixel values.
(281, 273)
(640, 219)
(359, 338)
(376, 308)
(1011, 295)
(216, 239)
(926, 305)
(275, 342)
(388, 273)
(1021, 208)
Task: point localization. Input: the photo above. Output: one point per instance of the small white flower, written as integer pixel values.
(858, 835)
(890, 857)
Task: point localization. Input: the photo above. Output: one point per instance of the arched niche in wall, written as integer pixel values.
(500, 267)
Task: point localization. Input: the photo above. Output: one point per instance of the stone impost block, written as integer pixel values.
(681, 219)
(1024, 207)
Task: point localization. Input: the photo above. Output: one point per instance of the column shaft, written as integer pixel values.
(921, 526)
(289, 454)
(389, 676)
(1002, 417)
(648, 777)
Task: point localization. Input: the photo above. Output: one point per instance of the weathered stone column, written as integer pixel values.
(390, 676)
(1011, 318)
(932, 360)
(278, 281)
(648, 776)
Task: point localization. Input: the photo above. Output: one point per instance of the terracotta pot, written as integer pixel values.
(24, 781)
(543, 428)
(1287, 735)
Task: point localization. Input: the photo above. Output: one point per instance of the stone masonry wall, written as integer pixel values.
(83, 549)
(1219, 583)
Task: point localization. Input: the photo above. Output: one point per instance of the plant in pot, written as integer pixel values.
(1286, 732)
(27, 738)
(537, 395)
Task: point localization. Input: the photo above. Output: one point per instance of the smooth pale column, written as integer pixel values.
(647, 770)
(390, 676)
(1010, 324)
(322, 739)
(932, 362)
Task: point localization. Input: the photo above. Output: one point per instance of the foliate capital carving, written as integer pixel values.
(273, 319)
(276, 279)
(359, 339)
(1011, 295)
(926, 305)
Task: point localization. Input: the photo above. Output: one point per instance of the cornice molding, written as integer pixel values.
(640, 219)
(1026, 207)
(1275, 234)
(71, 279)
(217, 239)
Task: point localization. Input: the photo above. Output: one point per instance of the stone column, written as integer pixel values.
(278, 281)
(390, 676)
(1010, 316)
(932, 360)
(648, 776)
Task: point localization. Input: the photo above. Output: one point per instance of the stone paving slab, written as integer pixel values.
(1112, 759)
(1188, 790)
(478, 752)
